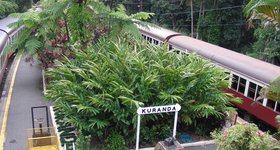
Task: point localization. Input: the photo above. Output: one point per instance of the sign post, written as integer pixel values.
(154, 110)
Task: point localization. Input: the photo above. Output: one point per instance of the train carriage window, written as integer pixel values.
(242, 84)
(170, 47)
(278, 107)
(228, 75)
(252, 90)
(176, 51)
(144, 36)
(258, 94)
(151, 40)
(234, 83)
(156, 42)
(270, 103)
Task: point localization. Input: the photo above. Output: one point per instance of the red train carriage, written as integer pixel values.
(249, 75)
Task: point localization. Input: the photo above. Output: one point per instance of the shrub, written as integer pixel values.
(152, 134)
(244, 137)
(101, 89)
(115, 141)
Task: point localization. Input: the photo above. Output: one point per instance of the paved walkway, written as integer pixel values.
(26, 93)
(202, 147)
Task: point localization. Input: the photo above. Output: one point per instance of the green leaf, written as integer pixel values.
(130, 102)
(33, 45)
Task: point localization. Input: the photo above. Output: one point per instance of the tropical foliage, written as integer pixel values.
(100, 90)
(244, 136)
(204, 18)
(51, 31)
(6, 8)
(272, 91)
(265, 10)
(23, 5)
(266, 47)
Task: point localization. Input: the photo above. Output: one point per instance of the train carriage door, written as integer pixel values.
(252, 90)
(257, 97)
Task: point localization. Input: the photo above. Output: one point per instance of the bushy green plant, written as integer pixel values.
(101, 89)
(204, 126)
(115, 141)
(82, 142)
(153, 134)
(244, 136)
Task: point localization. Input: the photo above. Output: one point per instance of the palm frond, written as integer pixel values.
(130, 102)
(268, 10)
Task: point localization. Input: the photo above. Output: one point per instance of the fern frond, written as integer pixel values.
(141, 16)
(33, 45)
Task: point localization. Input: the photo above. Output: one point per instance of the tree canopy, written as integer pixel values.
(6, 8)
(52, 31)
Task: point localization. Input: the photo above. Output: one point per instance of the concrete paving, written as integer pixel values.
(202, 147)
(27, 93)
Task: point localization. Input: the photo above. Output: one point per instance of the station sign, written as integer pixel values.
(154, 110)
(158, 109)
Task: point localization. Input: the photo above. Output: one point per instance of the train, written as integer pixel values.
(7, 35)
(247, 75)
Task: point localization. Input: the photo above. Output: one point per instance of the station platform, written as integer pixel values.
(23, 90)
